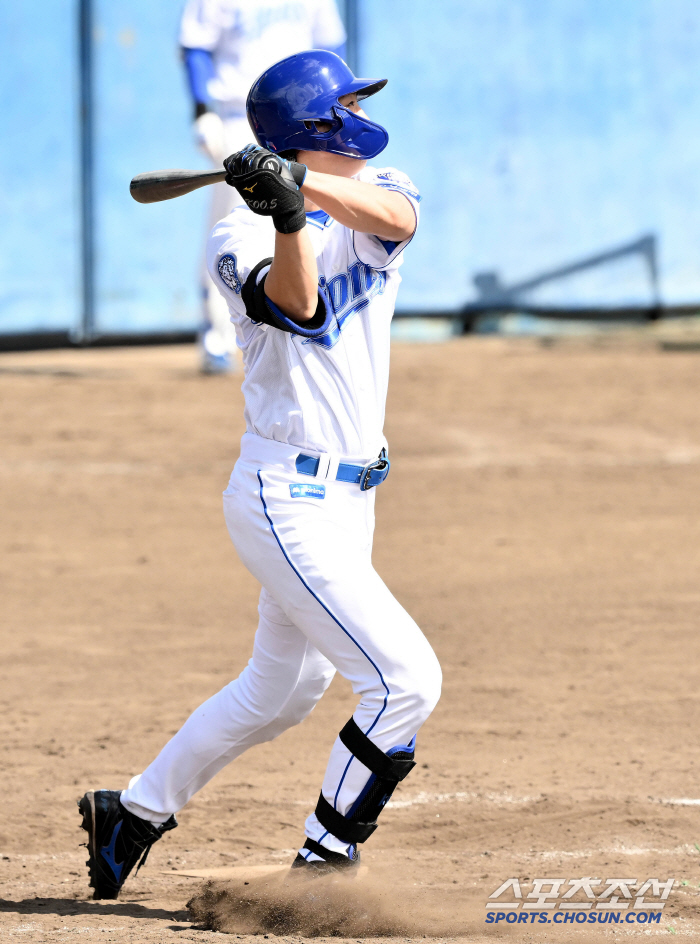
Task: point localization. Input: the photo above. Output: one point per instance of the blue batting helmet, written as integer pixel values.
(287, 100)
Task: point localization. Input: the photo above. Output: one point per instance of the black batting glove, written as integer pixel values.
(269, 185)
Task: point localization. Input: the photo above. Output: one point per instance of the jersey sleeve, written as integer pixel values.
(237, 247)
(328, 29)
(201, 25)
(233, 250)
(383, 253)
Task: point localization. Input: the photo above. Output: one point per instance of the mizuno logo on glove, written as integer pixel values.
(274, 183)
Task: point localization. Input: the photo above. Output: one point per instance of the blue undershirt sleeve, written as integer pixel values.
(199, 65)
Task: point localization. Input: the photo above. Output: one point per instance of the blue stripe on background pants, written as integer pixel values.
(322, 607)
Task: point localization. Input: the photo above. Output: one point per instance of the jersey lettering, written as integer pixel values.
(257, 24)
(349, 293)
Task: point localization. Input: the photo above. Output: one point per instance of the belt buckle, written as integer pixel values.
(380, 463)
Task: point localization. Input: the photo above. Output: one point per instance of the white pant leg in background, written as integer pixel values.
(279, 687)
(218, 337)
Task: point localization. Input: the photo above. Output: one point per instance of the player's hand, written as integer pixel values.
(208, 131)
(253, 157)
(269, 185)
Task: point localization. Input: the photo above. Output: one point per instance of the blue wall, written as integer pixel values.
(148, 258)
(539, 131)
(39, 259)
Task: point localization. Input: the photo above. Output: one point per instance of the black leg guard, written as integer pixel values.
(387, 772)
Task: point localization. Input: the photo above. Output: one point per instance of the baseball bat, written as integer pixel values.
(160, 185)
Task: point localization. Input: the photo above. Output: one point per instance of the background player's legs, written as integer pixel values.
(317, 565)
(279, 687)
(217, 338)
(219, 353)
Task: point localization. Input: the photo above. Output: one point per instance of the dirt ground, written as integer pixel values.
(542, 524)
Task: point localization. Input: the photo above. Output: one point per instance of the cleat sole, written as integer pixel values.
(86, 805)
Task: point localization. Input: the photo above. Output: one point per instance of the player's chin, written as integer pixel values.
(323, 162)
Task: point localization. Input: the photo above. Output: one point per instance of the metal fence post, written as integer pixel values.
(86, 331)
(352, 28)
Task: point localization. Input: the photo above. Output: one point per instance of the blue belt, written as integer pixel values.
(366, 476)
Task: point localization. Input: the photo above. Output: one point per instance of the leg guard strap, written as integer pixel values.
(347, 830)
(387, 771)
(381, 764)
(336, 858)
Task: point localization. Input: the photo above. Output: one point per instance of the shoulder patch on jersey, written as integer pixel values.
(392, 175)
(395, 181)
(229, 273)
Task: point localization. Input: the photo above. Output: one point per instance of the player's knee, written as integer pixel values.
(435, 684)
(421, 684)
(306, 697)
(429, 688)
(298, 708)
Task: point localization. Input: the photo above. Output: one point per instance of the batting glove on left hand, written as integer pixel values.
(269, 185)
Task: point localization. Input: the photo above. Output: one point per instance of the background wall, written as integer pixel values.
(39, 171)
(539, 132)
(147, 257)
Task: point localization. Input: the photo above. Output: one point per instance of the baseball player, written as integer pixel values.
(308, 266)
(225, 45)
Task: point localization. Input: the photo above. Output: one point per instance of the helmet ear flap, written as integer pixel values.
(325, 126)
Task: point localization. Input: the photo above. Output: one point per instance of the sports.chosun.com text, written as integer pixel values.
(574, 917)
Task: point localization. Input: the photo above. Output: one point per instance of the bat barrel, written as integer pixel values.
(158, 185)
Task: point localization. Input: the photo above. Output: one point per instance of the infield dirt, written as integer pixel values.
(541, 523)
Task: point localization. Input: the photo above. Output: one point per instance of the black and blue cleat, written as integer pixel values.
(117, 840)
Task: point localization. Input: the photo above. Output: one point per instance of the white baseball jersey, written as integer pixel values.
(245, 37)
(326, 394)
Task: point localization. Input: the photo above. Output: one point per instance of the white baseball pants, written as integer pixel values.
(322, 607)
